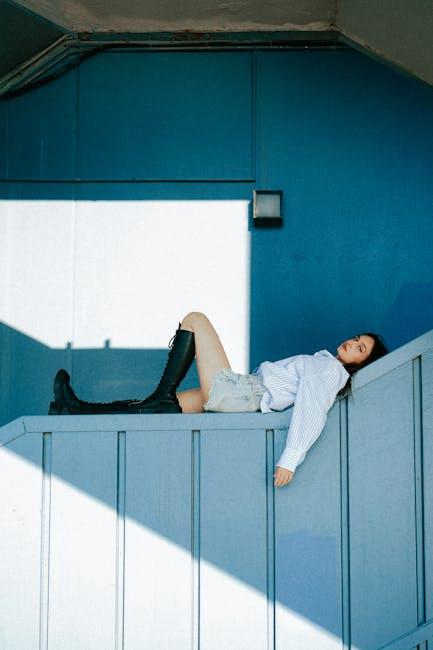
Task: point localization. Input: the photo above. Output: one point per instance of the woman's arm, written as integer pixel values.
(314, 397)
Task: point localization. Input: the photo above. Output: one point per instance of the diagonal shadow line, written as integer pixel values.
(216, 429)
(239, 431)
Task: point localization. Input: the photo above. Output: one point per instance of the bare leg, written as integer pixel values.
(191, 401)
(210, 357)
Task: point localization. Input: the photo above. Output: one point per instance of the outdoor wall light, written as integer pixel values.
(267, 208)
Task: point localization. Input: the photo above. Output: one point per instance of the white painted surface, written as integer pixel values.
(301, 633)
(203, 483)
(61, 282)
(234, 564)
(20, 542)
(82, 582)
(156, 261)
(233, 613)
(158, 564)
(36, 269)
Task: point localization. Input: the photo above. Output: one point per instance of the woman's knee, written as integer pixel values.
(194, 318)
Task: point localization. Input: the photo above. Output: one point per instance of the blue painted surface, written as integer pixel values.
(41, 142)
(191, 522)
(351, 145)
(172, 118)
(350, 142)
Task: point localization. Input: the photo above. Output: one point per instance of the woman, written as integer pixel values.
(310, 382)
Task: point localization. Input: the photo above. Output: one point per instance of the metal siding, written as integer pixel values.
(37, 270)
(427, 420)
(308, 546)
(42, 132)
(233, 534)
(350, 144)
(175, 518)
(158, 517)
(82, 572)
(20, 542)
(166, 116)
(4, 126)
(383, 570)
(325, 256)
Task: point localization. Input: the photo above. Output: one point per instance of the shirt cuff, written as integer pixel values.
(290, 459)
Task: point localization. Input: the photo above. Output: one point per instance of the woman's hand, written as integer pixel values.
(282, 476)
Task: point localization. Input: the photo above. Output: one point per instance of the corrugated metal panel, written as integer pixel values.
(156, 518)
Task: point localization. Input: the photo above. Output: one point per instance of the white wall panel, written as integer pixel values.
(20, 542)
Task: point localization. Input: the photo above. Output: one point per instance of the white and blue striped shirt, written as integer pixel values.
(311, 382)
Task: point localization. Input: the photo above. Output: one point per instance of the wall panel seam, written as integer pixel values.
(120, 540)
(45, 540)
(270, 537)
(419, 492)
(345, 524)
(195, 538)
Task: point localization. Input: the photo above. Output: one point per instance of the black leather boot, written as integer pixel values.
(67, 403)
(162, 400)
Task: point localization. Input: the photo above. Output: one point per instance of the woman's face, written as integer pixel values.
(355, 350)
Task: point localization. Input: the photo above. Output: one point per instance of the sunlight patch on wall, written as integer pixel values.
(168, 570)
(302, 631)
(36, 269)
(123, 273)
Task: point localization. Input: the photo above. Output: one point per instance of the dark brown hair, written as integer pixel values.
(379, 350)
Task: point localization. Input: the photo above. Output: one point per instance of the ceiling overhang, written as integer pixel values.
(49, 34)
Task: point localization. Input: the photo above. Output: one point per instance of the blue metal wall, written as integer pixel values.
(350, 142)
(181, 523)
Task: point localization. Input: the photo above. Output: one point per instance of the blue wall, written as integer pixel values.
(351, 144)
(349, 141)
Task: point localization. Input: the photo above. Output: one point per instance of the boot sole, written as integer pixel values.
(58, 409)
(167, 409)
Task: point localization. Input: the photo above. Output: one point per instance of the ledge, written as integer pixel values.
(145, 422)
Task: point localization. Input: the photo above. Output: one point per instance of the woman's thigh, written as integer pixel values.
(209, 352)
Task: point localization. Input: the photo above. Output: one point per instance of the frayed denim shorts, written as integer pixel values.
(232, 392)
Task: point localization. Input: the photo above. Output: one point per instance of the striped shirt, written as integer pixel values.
(310, 382)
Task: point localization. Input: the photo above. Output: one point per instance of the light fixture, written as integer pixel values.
(267, 208)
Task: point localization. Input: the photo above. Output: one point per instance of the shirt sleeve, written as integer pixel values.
(315, 395)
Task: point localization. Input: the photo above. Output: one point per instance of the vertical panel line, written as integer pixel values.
(195, 538)
(120, 541)
(75, 217)
(419, 488)
(345, 523)
(77, 122)
(45, 539)
(254, 122)
(270, 538)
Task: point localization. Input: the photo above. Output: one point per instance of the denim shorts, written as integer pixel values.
(232, 392)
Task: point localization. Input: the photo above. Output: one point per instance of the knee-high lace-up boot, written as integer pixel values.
(162, 400)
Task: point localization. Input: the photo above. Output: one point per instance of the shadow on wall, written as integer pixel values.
(410, 315)
(295, 579)
(28, 367)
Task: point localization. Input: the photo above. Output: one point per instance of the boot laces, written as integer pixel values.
(171, 341)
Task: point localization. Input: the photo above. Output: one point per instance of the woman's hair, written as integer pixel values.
(379, 350)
